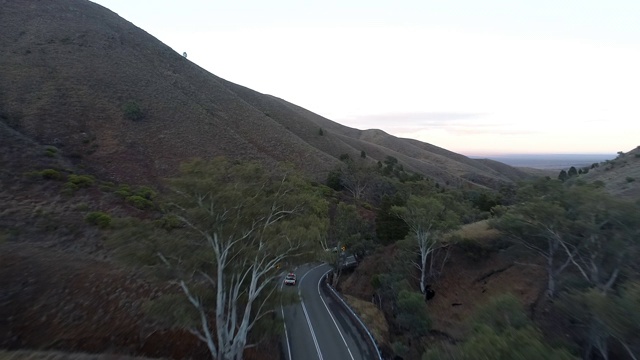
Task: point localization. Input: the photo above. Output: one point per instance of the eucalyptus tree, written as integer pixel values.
(243, 222)
(427, 218)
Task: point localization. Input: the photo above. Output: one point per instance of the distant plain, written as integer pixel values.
(550, 161)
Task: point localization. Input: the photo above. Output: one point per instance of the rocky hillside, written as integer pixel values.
(122, 104)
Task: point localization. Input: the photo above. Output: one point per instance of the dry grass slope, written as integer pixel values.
(73, 66)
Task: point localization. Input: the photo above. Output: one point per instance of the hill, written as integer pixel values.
(127, 107)
(621, 176)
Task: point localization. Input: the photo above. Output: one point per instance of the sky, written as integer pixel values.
(475, 77)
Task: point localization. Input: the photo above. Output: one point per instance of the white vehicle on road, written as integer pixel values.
(290, 279)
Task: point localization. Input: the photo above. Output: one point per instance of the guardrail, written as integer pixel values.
(373, 345)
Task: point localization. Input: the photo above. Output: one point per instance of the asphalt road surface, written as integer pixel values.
(317, 327)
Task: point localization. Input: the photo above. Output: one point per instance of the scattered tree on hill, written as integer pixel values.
(356, 178)
(346, 237)
(243, 222)
(133, 111)
(541, 227)
(427, 219)
(389, 227)
(563, 175)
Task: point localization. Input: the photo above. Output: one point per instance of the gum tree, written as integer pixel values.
(427, 218)
(243, 222)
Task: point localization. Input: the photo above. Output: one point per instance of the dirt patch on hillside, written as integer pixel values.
(51, 300)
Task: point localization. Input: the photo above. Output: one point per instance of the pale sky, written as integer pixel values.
(475, 77)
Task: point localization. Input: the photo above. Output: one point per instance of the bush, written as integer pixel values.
(81, 181)
(412, 314)
(124, 191)
(145, 192)
(139, 202)
(132, 111)
(169, 222)
(51, 174)
(630, 179)
(50, 151)
(99, 219)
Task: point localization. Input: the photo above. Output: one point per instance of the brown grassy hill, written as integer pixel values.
(621, 175)
(71, 68)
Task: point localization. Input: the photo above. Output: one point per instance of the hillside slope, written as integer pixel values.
(124, 105)
(621, 176)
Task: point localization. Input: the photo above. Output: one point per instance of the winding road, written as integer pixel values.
(318, 327)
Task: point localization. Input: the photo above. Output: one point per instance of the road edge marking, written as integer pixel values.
(306, 314)
(331, 315)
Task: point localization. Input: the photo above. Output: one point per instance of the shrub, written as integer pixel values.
(169, 222)
(412, 314)
(630, 179)
(69, 188)
(81, 181)
(50, 151)
(51, 174)
(99, 219)
(82, 206)
(123, 191)
(132, 111)
(145, 192)
(139, 202)
(107, 186)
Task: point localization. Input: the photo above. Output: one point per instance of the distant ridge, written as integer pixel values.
(551, 161)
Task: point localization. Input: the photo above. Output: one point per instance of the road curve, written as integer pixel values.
(318, 327)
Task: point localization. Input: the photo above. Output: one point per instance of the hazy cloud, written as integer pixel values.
(455, 123)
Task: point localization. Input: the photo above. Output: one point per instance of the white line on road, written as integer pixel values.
(306, 315)
(333, 318)
(286, 334)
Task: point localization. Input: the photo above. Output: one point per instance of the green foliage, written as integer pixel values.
(133, 111)
(501, 331)
(389, 227)
(139, 202)
(363, 154)
(124, 191)
(99, 219)
(333, 180)
(169, 222)
(603, 317)
(344, 157)
(50, 151)
(501, 314)
(630, 179)
(46, 174)
(483, 200)
(563, 176)
(349, 230)
(320, 132)
(412, 314)
(572, 172)
(145, 192)
(81, 181)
